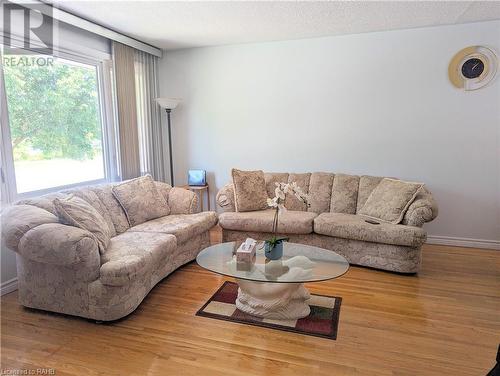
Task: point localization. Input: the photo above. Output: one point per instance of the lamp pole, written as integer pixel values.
(169, 103)
(170, 147)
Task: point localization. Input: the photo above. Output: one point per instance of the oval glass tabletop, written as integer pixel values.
(300, 263)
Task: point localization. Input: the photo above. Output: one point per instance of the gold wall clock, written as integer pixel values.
(473, 68)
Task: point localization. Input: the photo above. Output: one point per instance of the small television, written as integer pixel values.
(197, 177)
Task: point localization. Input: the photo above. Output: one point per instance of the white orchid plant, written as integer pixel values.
(277, 202)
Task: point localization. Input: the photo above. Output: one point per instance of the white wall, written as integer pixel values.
(8, 264)
(377, 103)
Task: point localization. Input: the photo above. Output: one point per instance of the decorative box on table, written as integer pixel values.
(245, 254)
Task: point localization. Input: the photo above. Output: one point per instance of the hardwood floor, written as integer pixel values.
(445, 321)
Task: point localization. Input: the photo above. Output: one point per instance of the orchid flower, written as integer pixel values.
(280, 194)
(272, 202)
(277, 202)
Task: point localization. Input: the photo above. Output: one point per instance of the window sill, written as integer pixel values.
(42, 192)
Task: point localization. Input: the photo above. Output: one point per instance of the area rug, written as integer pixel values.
(321, 322)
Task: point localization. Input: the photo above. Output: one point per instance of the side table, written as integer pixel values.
(199, 189)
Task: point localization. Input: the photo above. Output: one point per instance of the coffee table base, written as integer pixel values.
(285, 301)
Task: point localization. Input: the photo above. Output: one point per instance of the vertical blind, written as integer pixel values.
(124, 74)
(142, 142)
(152, 141)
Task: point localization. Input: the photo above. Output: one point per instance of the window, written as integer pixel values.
(56, 120)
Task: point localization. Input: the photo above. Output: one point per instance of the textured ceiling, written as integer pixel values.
(174, 25)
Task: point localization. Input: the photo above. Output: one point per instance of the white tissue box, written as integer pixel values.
(246, 252)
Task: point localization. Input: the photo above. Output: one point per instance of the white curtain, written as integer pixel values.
(152, 138)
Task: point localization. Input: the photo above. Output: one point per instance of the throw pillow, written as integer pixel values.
(390, 200)
(249, 190)
(140, 200)
(77, 212)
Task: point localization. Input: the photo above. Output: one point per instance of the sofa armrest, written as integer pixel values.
(58, 244)
(182, 201)
(423, 209)
(225, 198)
(17, 220)
(37, 235)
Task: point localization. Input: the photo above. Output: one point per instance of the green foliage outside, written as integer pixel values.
(53, 111)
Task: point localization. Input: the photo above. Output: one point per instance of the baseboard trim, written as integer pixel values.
(464, 242)
(8, 286)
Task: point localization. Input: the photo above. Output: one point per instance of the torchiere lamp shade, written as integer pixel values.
(168, 103)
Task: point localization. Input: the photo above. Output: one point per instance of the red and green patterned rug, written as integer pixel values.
(321, 322)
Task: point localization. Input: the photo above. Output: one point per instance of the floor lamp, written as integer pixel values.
(169, 104)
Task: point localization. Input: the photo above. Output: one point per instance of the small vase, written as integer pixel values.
(275, 253)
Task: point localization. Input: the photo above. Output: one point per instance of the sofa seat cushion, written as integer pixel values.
(350, 226)
(290, 222)
(183, 226)
(132, 254)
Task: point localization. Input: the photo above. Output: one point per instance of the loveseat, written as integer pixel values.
(332, 220)
(61, 268)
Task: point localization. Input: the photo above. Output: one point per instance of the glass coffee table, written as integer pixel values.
(274, 289)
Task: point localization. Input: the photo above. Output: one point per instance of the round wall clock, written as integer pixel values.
(473, 68)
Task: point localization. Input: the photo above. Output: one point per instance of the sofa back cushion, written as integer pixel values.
(100, 197)
(328, 192)
(344, 194)
(116, 212)
(140, 200)
(91, 197)
(366, 186)
(164, 189)
(390, 199)
(88, 194)
(272, 178)
(45, 202)
(77, 212)
(320, 192)
(292, 202)
(250, 192)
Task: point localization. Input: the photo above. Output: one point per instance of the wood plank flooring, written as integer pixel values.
(445, 321)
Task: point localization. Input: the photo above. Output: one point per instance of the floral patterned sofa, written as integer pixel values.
(60, 268)
(332, 220)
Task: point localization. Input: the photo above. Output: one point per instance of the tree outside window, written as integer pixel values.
(55, 122)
